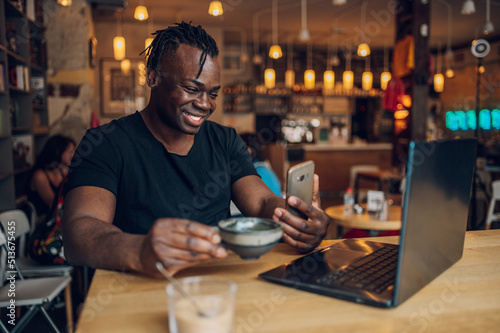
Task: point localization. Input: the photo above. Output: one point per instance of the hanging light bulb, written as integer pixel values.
(348, 76)
(149, 40)
(386, 76)
(275, 49)
(289, 74)
(488, 26)
(304, 35)
(339, 2)
(309, 74)
(438, 77)
(215, 8)
(269, 78)
(119, 41)
(65, 3)
(367, 77)
(468, 7)
(125, 66)
(141, 12)
(438, 82)
(450, 74)
(309, 79)
(329, 79)
(363, 48)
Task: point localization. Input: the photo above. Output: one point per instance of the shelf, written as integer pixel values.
(16, 56)
(20, 129)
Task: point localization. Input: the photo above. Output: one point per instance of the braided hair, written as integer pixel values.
(168, 41)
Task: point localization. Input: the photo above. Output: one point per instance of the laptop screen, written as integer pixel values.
(435, 211)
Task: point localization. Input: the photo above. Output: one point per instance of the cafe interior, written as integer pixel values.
(347, 84)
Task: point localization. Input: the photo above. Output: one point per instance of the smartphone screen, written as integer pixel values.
(300, 184)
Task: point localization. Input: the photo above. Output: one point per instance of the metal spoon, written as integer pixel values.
(181, 290)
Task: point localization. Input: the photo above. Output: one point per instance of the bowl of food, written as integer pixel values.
(250, 237)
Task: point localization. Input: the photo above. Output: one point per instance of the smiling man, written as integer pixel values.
(149, 186)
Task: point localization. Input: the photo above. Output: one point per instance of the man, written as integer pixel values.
(149, 186)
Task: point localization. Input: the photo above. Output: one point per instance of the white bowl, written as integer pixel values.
(250, 237)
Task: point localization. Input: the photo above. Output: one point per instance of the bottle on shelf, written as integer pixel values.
(348, 202)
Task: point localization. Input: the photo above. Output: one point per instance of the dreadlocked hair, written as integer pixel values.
(168, 41)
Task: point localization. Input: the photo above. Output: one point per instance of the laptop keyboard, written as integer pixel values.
(374, 272)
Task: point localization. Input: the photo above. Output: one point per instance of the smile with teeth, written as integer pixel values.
(193, 117)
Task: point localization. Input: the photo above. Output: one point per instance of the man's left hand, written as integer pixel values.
(305, 235)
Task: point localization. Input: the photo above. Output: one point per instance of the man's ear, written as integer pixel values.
(153, 79)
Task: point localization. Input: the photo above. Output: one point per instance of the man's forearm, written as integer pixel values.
(93, 243)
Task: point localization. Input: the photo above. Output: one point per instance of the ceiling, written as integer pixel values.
(327, 23)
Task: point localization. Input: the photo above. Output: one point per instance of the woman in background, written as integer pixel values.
(49, 171)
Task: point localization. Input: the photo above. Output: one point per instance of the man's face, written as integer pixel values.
(184, 101)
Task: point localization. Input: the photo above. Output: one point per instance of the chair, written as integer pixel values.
(34, 293)
(28, 267)
(361, 194)
(492, 216)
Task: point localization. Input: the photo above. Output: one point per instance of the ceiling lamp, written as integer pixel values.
(449, 53)
(367, 78)
(269, 78)
(65, 3)
(468, 7)
(363, 48)
(329, 75)
(289, 74)
(119, 41)
(339, 2)
(304, 35)
(386, 76)
(438, 77)
(125, 66)
(215, 8)
(348, 76)
(309, 75)
(488, 26)
(141, 12)
(149, 40)
(275, 49)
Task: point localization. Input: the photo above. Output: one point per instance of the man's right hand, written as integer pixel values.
(179, 243)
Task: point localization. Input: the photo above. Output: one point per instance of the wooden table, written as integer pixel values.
(465, 298)
(381, 178)
(365, 221)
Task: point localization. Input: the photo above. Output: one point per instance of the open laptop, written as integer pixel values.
(434, 220)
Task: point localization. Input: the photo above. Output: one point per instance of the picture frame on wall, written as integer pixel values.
(123, 87)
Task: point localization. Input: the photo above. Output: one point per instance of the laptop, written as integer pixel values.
(434, 220)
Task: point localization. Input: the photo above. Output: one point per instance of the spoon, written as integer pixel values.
(181, 290)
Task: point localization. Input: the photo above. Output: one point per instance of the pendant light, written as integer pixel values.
(386, 76)
(348, 76)
(309, 74)
(328, 75)
(488, 26)
(304, 35)
(289, 74)
(215, 8)
(339, 2)
(438, 77)
(275, 49)
(119, 41)
(269, 75)
(141, 12)
(149, 40)
(363, 48)
(449, 53)
(367, 78)
(125, 66)
(65, 3)
(468, 7)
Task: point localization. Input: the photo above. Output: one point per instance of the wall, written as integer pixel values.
(69, 76)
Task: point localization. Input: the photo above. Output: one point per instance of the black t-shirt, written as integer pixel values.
(149, 182)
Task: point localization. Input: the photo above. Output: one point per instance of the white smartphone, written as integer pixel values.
(300, 184)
